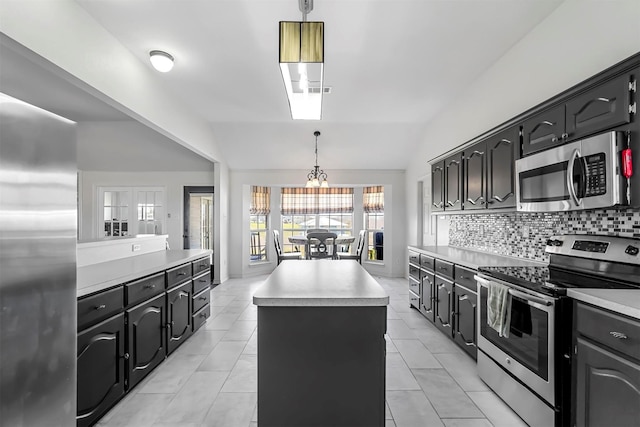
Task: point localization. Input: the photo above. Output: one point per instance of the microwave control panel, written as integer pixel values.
(596, 175)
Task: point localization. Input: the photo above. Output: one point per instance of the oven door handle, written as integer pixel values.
(528, 297)
(570, 187)
(525, 296)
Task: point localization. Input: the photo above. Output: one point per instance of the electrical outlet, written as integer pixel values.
(135, 248)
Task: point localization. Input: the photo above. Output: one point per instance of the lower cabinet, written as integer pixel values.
(607, 368)
(100, 369)
(465, 310)
(147, 338)
(178, 315)
(128, 330)
(446, 296)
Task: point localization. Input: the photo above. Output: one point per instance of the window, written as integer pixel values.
(373, 206)
(120, 206)
(304, 209)
(259, 210)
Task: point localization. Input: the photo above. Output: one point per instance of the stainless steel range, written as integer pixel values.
(528, 362)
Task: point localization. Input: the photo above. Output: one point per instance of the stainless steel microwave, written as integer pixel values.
(584, 174)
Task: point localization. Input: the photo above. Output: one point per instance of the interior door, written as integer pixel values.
(198, 217)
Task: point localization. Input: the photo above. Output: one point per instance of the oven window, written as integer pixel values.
(545, 184)
(528, 341)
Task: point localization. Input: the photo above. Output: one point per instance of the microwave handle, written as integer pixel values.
(570, 188)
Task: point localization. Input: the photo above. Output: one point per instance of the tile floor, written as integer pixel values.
(211, 380)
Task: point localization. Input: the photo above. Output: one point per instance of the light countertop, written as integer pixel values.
(97, 277)
(623, 301)
(474, 259)
(320, 283)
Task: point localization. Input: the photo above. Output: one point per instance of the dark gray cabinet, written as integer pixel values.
(437, 186)
(465, 310)
(453, 182)
(427, 298)
(100, 369)
(146, 338)
(179, 315)
(544, 130)
(503, 150)
(607, 368)
(475, 177)
(443, 304)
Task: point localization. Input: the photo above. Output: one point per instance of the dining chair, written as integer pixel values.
(362, 235)
(318, 245)
(283, 255)
(256, 246)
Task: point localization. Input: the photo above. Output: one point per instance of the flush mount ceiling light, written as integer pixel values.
(161, 61)
(302, 64)
(317, 177)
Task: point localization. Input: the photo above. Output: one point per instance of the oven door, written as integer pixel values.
(528, 351)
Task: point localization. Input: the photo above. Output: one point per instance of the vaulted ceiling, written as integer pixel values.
(393, 65)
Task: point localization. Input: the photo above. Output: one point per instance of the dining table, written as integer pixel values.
(342, 239)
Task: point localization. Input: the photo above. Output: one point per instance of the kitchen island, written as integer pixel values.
(321, 346)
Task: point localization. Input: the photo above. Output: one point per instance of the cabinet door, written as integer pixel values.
(437, 186)
(453, 182)
(502, 152)
(178, 316)
(599, 109)
(543, 131)
(443, 305)
(100, 369)
(465, 319)
(607, 388)
(427, 297)
(147, 340)
(475, 176)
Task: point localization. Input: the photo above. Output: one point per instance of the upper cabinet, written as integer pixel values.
(595, 110)
(475, 177)
(503, 150)
(453, 182)
(437, 186)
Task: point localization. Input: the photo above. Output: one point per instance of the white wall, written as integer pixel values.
(579, 39)
(395, 202)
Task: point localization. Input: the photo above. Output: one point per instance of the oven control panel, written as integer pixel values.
(605, 248)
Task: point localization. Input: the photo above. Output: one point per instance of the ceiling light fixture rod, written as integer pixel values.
(305, 6)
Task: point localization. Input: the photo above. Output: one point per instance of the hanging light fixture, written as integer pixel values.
(302, 64)
(161, 61)
(317, 178)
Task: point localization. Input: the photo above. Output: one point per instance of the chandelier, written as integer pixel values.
(317, 178)
(302, 64)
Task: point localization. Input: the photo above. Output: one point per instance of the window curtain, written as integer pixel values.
(373, 199)
(260, 200)
(301, 200)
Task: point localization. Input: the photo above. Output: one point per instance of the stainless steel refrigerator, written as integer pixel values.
(38, 224)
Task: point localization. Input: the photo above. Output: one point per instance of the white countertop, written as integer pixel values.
(623, 301)
(97, 277)
(474, 259)
(320, 283)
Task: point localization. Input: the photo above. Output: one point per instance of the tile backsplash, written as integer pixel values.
(524, 234)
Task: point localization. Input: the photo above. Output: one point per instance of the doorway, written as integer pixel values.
(198, 218)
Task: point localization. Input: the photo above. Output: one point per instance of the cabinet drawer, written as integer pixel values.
(444, 268)
(414, 286)
(426, 262)
(144, 289)
(201, 282)
(201, 316)
(615, 331)
(464, 278)
(200, 265)
(414, 258)
(414, 300)
(414, 272)
(201, 299)
(97, 307)
(178, 275)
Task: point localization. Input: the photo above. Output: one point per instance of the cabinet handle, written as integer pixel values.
(202, 298)
(182, 273)
(149, 286)
(202, 280)
(203, 314)
(100, 307)
(618, 335)
(565, 136)
(442, 268)
(125, 356)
